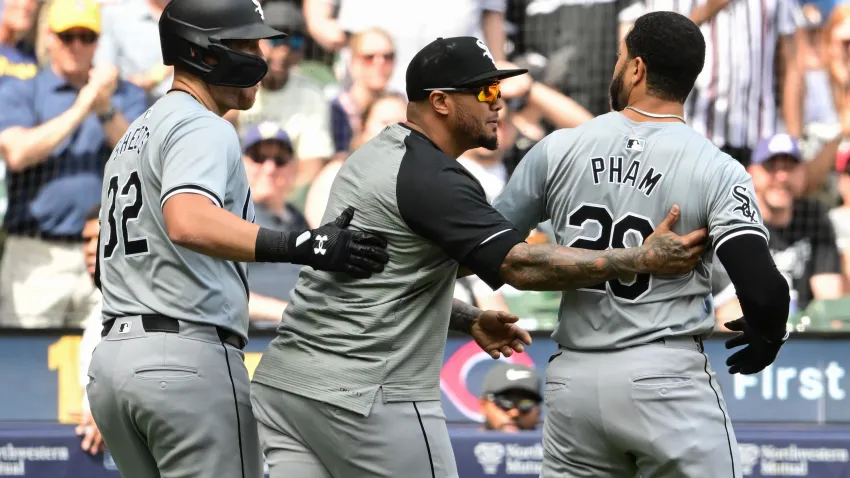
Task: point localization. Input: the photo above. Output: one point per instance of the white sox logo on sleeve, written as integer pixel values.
(742, 195)
(320, 245)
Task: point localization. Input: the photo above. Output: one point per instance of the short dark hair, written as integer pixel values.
(93, 213)
(673, 49)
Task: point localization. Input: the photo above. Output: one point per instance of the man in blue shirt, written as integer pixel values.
(17, 59)
(56, 132)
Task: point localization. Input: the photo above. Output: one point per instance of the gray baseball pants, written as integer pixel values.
(653, 411)
(306, 438)
(174, 405)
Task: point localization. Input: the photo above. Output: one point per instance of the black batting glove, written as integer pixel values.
(333, 248)
(758, 353)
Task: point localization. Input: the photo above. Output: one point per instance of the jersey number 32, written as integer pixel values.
(130, 212)
(612, 234)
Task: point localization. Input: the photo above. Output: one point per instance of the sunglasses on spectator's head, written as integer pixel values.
(370, 57)
(485, 94)
(294, 41)
(86, 38)
(507, 403)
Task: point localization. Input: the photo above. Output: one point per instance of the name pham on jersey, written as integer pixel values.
(613, 171)
(132, 141)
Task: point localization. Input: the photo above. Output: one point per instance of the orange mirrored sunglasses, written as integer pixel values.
(485, 94)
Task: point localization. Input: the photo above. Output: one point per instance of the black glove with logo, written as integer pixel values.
(330, 247)
(333, 248)
(758, 353)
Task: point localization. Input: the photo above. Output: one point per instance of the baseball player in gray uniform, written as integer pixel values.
(630, 391)
(350, 387)
(168, 385)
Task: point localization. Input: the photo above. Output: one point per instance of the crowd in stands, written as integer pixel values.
(74, 74)
(774, 94)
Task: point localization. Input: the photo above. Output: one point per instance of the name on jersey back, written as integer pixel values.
(616, 170)
(132, 141)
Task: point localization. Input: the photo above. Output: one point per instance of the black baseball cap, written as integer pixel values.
(510, 376)
(456, 62)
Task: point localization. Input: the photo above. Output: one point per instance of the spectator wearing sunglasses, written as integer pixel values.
(385, 110)
(17, 58)
(411, 24)
(510, 399)
(130, 42)
(293, 101)
(372, 63)
(271, 167)
(57, 130)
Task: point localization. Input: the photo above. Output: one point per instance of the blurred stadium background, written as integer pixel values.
(335, 83)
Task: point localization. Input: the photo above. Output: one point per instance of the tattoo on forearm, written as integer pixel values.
(551, 267)
(463, 316)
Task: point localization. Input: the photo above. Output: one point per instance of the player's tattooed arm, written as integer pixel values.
(463, 316)
(551, 267)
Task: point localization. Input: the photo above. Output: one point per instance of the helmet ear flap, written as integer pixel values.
(188, 56)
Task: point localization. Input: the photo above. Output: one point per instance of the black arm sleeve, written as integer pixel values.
(761, 289)
(441, 201)
(97, 266)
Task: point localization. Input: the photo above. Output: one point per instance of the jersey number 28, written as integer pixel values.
(129, 212)
(612, 234)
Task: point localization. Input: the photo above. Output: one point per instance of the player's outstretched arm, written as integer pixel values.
(764, 298)
(495, 332)
(551, 267)
(195, 223)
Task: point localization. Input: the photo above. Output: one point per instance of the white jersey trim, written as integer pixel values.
(193, 190)
(730, 235)
(485, 241)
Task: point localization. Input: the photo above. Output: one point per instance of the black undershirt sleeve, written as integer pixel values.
(761, 289)
(442, 202)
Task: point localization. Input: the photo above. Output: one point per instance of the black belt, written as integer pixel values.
(697, 340)
(161, 323)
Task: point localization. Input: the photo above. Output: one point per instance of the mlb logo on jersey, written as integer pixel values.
(634, 144)
(124, 328)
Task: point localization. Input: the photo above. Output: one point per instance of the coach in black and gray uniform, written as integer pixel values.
(350, 387)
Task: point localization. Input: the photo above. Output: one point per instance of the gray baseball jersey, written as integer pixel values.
(177, 146)
(341, 339)
(607, 184)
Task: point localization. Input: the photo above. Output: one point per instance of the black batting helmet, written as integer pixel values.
(189, 30)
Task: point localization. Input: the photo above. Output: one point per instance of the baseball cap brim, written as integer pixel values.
(510, 386)
(256, 31)
(491, 76)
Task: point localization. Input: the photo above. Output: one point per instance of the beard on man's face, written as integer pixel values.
(467, 125)
(615, 91)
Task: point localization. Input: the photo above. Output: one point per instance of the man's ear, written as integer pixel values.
(638, 70)
(440, 102)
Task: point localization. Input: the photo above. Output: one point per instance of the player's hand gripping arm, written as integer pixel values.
(552, 267)
(524, 202)
(495, 332)
(195, 223)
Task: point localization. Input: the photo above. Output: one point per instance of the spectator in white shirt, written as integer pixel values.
(288, 98)
(412, 24)
(130, 42)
